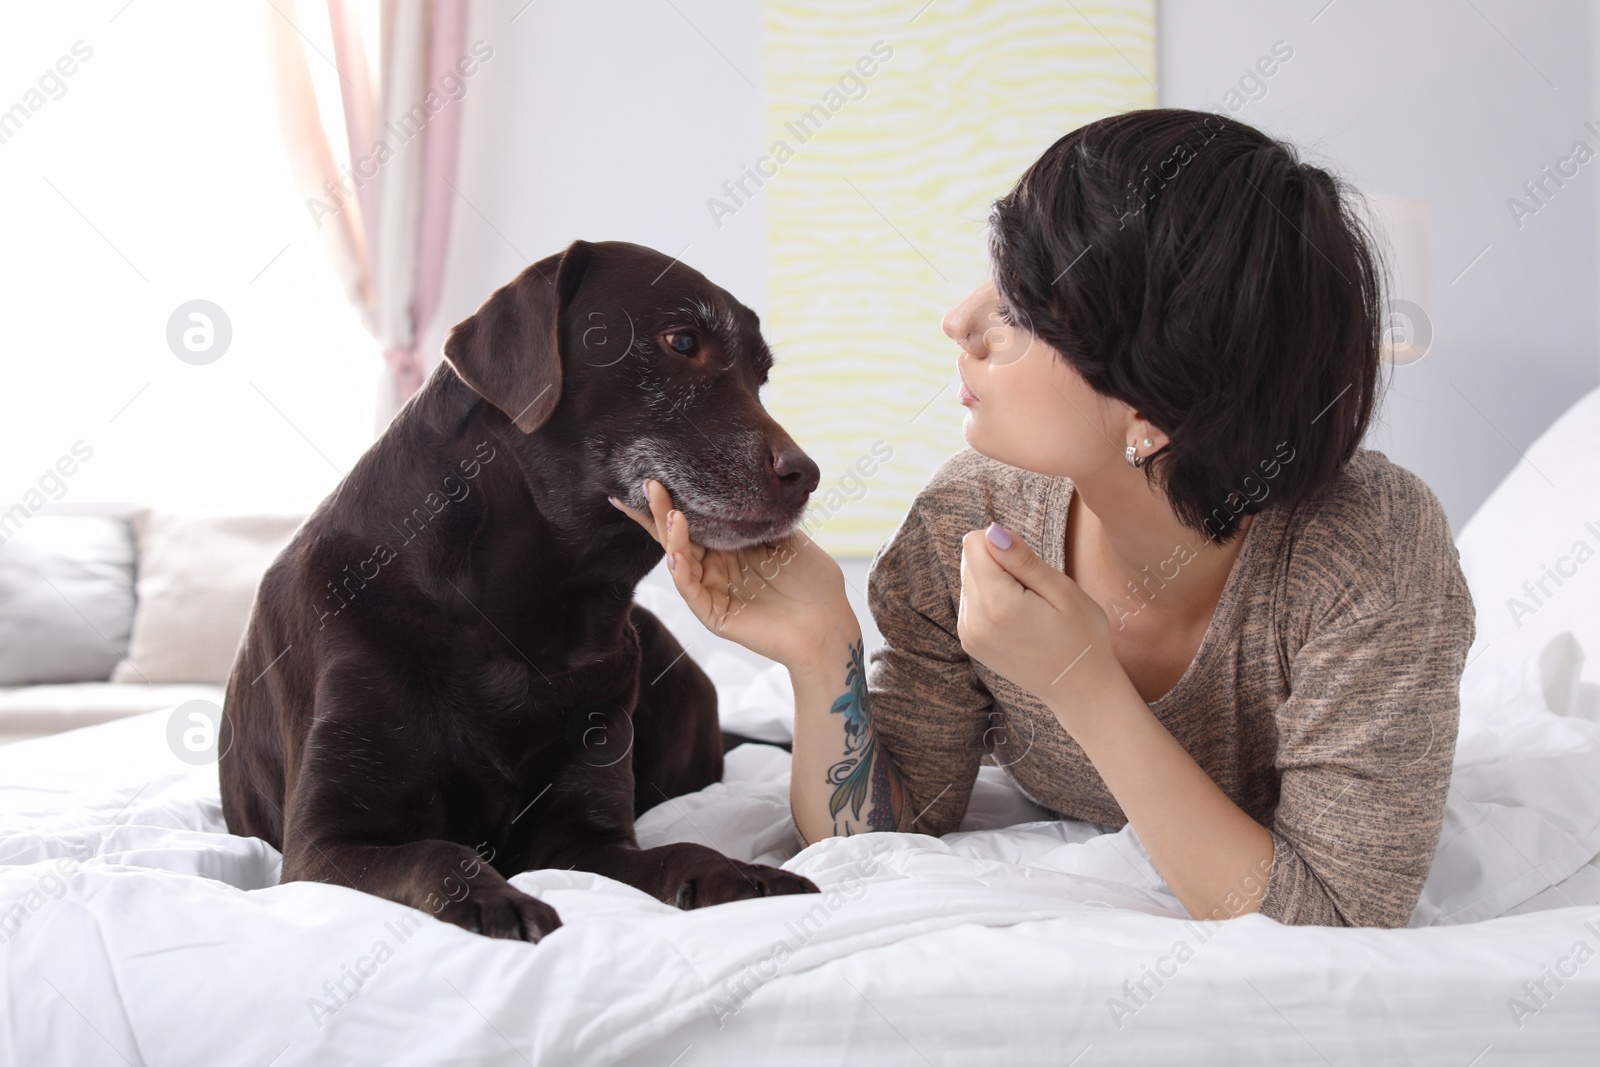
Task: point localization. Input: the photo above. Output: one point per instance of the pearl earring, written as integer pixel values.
(1147, 442)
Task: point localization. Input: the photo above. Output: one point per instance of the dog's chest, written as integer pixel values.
(552, 715)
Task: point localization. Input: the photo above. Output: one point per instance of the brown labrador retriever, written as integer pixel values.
(445, 680)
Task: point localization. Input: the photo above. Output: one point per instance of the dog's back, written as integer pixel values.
(354, 580)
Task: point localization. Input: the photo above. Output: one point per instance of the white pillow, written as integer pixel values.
(66, 599)
(1526, 533)
(197, 579)
(1524, 806)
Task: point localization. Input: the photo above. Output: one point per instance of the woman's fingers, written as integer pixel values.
(692, 572)
(687, 575)
(643, 518)
(665, 517)
(660, 520)
(660, 503)
(699, 576)
(680, 538)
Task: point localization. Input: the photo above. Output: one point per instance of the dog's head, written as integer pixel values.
(642, 368)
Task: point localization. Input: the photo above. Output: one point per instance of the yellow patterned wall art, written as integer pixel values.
(891, 127)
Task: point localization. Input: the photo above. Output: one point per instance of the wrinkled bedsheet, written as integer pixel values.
(134, 929)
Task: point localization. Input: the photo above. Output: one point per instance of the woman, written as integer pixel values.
(1164, 585)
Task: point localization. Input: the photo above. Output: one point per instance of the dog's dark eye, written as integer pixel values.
(683, 342)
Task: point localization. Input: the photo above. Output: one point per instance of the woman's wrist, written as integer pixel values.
(827, 654)
(842, 781)
(1096, 701)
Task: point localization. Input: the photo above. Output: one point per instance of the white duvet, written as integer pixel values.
(136, 930)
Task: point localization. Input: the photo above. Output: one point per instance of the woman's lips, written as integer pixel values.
(965, 395)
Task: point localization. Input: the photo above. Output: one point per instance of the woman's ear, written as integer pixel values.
(509, 350)
(1144, 437)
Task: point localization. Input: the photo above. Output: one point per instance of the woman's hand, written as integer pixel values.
(784, 600)
(1031, 624)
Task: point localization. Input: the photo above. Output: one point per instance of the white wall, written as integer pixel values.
(1431, 99)
(607, 120)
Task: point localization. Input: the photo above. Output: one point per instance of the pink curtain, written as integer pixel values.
(385, 217)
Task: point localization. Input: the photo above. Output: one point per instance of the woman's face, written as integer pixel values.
(1025, 404)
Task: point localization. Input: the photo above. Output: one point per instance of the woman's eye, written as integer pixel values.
(683, 342)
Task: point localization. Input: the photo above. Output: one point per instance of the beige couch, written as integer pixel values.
(110, 610)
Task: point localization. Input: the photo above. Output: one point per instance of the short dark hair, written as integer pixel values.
(1194, 268)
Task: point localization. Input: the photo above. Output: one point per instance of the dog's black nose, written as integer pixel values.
(796, 473)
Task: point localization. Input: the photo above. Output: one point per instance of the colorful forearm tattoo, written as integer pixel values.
(864, 777)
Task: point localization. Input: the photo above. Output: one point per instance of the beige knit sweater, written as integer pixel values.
(1323, 699)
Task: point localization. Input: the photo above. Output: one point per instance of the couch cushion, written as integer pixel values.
(35, 710)
(197, 579)
(66, 599)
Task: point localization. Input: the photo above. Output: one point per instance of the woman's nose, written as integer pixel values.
(961, 323)
(954, 323)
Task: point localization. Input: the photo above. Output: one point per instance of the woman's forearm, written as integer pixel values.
(1214, 857)
(842, 781)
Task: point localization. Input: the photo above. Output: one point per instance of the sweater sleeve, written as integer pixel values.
(1365, 748)
(929, 709)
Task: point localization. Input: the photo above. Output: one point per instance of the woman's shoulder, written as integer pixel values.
(1373, 536)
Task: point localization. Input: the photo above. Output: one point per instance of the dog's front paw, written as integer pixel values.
(501, 911)
(732, 880)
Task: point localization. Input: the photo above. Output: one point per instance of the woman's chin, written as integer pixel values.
(1002, 452)
(977, 439)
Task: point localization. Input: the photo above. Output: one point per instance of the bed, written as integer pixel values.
(134, 929)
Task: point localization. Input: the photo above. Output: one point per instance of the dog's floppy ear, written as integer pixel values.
(509, 350)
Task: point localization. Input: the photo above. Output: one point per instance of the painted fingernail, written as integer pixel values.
(999, 536)
(644, 486)
(614, 502)
(669, 521)
(672, 561)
